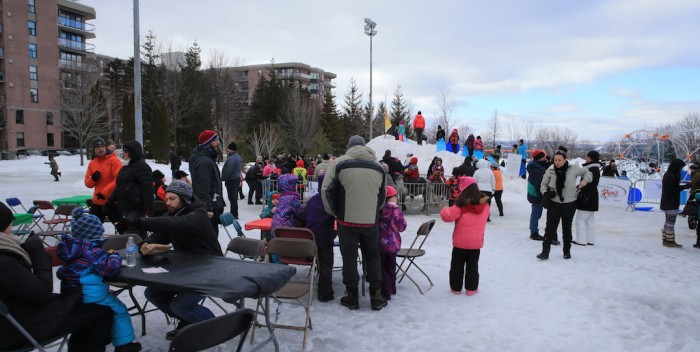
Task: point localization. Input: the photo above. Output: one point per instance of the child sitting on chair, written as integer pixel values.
(271, 206)
(391, 223)
(290, 210)
(86, 264)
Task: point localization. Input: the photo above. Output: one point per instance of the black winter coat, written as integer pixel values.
(395, 166)
(588, 196)
(535, 172)
(134, 190)
(206, 178)
(671, 186)
(175, 161)
(29, 298)
(189, 230)
(440, 135)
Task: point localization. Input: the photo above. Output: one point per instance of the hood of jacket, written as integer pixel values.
(73, 248)
(361, 152)
(287, 183)
(482, 164)
(135, 150)
(676, 166)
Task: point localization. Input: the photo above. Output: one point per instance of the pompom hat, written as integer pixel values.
(207, 136)
(85, 225)
(465, 182)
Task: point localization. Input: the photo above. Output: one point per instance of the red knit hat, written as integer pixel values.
(300, 163)
(538, 154)
(207, 136)
(390, 191)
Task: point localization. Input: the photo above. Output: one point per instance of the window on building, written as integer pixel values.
(33, 75)
(32, 50)
(32, 27)
(20, 139)
(19, 116)
(32, 6)
(34, 95)
(49, 118)
(49, 139)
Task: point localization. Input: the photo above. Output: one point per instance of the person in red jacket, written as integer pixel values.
(469, 214)
(419, 126)
(102, 176)
(453, 140)
(411, 172)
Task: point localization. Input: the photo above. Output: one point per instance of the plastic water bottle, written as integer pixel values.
(130, 252)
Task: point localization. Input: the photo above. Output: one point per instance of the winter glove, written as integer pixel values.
(96, 175)
(100, 195)
(35, 249)
(550, 194)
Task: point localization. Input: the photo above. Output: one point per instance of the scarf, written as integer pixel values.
(561, 178)
(10, 243)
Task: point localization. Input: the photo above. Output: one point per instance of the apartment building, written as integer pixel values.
(42, 43)
(317, 81)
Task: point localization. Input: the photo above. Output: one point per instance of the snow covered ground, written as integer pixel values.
(626, 293)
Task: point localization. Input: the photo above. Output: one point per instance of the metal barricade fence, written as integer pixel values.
(414, 198)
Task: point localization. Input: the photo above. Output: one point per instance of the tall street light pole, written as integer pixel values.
(138, 118)
(369, 30)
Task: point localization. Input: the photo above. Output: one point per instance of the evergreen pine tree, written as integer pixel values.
(332, 127)
(159, 147)
(128, 124)
(399, 112)
(352, 111)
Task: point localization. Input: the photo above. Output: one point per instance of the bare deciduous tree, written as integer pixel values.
(180, 102)
(493, 130)
(515, 129)
(555, 136)
(272, 137)
(301, 116)
(256, 142)
(225, 96)
(446, 107)
(83, 110)
(689, 131)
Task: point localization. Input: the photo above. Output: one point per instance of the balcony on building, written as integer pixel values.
(76, 66)
(71, 25)
(76, 46)
(2, 53)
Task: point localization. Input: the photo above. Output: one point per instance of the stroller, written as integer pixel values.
(690, 210)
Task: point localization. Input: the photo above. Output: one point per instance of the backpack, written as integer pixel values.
(300, 178)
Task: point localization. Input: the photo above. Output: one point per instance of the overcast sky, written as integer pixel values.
(600, 67)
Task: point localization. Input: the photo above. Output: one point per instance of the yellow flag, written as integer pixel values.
(387, 121)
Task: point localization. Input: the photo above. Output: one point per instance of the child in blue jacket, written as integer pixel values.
(86, 264)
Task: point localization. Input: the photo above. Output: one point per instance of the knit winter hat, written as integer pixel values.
(594, 155)
(207, 136)
(157, 175)
(98, 142)
(390, 192)
(300, 163)
(355, 140)
(6, 216)
(232, 146)
(85, 225)
(287, 183)
(465, 182)
(494, 165)
(538, 154)
(182, 189)
(414, 160)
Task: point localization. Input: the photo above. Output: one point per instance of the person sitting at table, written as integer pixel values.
(85, 265)
(321, 223)
(290, 210)
(26, 287)
(272, 201)
(187, 227)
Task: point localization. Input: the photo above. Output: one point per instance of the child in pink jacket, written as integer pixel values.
(391, 223)
(469, 213)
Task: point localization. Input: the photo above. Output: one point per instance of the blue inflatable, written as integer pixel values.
(448, 147)
(479, 154)
(440, 145)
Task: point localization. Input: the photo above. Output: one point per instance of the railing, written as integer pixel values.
(76, 45)
(75, 65)
(414, 197)
(67, 22)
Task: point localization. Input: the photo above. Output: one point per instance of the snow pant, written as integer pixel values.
(556, 212)
(367, 240)
(184, 306)
(388, 262)
(464, 269)
(89, 326)
(497, 196)
(97, 292)
(419, 136)
(98, 210)
(471, 151)
(535, 215)
(232, 192)
(585, 227)
(215, 221)
(325, 271)
(670, 223)
(455, 148)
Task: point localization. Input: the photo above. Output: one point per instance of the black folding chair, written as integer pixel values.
(414, 252)
(212, 332)
(33, 343)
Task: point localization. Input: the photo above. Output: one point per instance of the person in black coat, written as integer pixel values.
(440, 134)
(587, 202)
(175, 162)
(133, 194)
(187, 228)
(206, 177)
(468, 167)
(535, 171)
(26, 287)
(670, 201)
(395, 167)
(254, 179)
(321, 223)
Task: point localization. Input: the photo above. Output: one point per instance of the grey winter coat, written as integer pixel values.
(549, 182)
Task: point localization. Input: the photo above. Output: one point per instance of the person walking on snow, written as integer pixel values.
(54, 167)
(418, 127)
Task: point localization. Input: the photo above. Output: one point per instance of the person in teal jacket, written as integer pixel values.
(86, 264)
(271, 206)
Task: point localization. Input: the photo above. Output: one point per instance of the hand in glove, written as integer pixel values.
(550, 194)
(96, 175)
(100, 196)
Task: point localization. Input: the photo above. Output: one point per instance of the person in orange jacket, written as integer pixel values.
(102, 176)
(419, 126)
(498, 189)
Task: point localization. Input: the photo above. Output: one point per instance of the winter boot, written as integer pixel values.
(378, 300)
(350, 300)
(545, 251)
(567, 254)
(697, 242)
(671, 240)
(172, 333)
(536, 237)
(129, 347)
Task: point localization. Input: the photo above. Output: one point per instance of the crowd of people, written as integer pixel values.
(359, 194)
